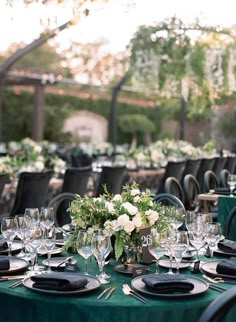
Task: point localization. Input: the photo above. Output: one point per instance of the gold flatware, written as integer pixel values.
(104, 291)
(110, 292)
(128, 291)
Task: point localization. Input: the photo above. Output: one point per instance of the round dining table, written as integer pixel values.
(23, 304)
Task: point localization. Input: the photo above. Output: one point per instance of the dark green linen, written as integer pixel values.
(225, 205)
(24, 305)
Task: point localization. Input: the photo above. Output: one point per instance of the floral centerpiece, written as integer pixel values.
(121, 215)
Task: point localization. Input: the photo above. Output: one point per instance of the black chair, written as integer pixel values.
(60, 204)
(219, 164)
(79, 158)
(173, 169)
(112, 178)
(205, 165)
(210, 181)
(230, 223)
(191, 167)
(76, 180)
(191, 191)
(168, 199)
(173, 187)
(4, 178)
(31, 191)
(219, 308)
(224, 173)
(231, 164)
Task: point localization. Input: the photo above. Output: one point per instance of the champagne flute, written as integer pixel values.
(46, 218)
(20, 223)
(156, 246)
(100, 247)
(83, 245)
(181, 245)
(9, 231)
(231, 180)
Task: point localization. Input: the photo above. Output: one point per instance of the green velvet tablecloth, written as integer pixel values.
(24, 305)
(225, 205)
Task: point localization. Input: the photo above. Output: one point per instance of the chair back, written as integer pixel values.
(224, 173)
(76, 180)
(168, 199)
(219, 165)
(191, 191)
(173, 187)
(218, 309)
(60, 204)
(230, 224)
(31, 191)
(4, 178)
(231, 164)
(113, 178)
(210, 181)
(191, 167)
(173, 169)
(206, 164)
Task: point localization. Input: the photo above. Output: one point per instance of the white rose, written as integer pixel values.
(123, 220)
(109, 206)
(39, 165)
(137, 220)
(132, 210)
(117, 197)
(129, 227)
(152, 216)
(135, 192)
(136, 199)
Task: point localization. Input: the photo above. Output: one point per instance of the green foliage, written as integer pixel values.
(135, 123)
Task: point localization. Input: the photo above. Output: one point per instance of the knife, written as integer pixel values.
(64, 261)
(110, 292)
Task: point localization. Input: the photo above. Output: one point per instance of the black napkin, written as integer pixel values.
(4, 264)
(57, 281)
(227, 245)
(164, 283)
(222, 190)
(227, 266)
(3, 244)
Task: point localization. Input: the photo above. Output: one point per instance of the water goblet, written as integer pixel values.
(231, 180)
(31, 216)
(181, 245)
(46, 219)
(156, 246)
(83, 246)
(35, 241)
(49, 244)
(197, 236)
(9, 231)
(100, 247)
(213, 235)
(20, 223)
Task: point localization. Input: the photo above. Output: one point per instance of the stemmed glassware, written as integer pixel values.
(197, 235)
(156, 246)
(83, 245)
(231, 180)
(49, 244)
(31, 216)
(20, 223)
(9, 231)
(35, 241)
(46, 219)
(100, 248)
(213, 235)
(181, 245)
(169, 241)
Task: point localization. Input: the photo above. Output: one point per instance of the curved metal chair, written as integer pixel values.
(172, 186)
(111, 177)
(168, 199)
(217, 310)
(4, 178)
(60, 204)
(223, 178)
(210, 181)
(191, 167)
(31, 191)
(229, 222)
(191, 190)
(219, 165)
(206, 164)
(76, 180)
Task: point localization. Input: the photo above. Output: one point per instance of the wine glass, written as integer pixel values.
(190, 218)
(177, 216)
(197, 236)
(46, 219)
(35, 241)
(156, 246)
(169, 242)
(181, 245)
(100, 247)
(213, 235)
(231, 180)
(83, 245)
(49, 244)
(9, 231)
(20, 222)
(31, 216)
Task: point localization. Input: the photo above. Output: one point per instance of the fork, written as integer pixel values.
(129, 291)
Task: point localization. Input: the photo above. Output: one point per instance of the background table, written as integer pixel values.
(225, 205)
(23, 305)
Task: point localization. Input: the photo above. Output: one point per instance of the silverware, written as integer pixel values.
(213, 280)
(217, 287)
(64, 261)
(128, 291)
(110, 292)
(104, 291)
(18, 283)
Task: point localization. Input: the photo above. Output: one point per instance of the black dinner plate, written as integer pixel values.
(15, 248)
(200, 287)
(55, 261)
(166, 263)
(210, 268)
(128, 269)
(93, 284)
(223, 252)
(16, 265)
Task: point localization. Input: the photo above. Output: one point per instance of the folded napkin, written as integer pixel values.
(164, 283)
(3, 244)
(57, 281)
(227, 266)
(4, 264)
(227, 245)
(222, 190)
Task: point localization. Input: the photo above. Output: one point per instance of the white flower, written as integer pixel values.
(135, 192)
(109, 206)
(117, 197)
(132, 210)
(137, 220)
(39, 165)
(129, 227)
(123, 219)
(137, 199)
(152, 216)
